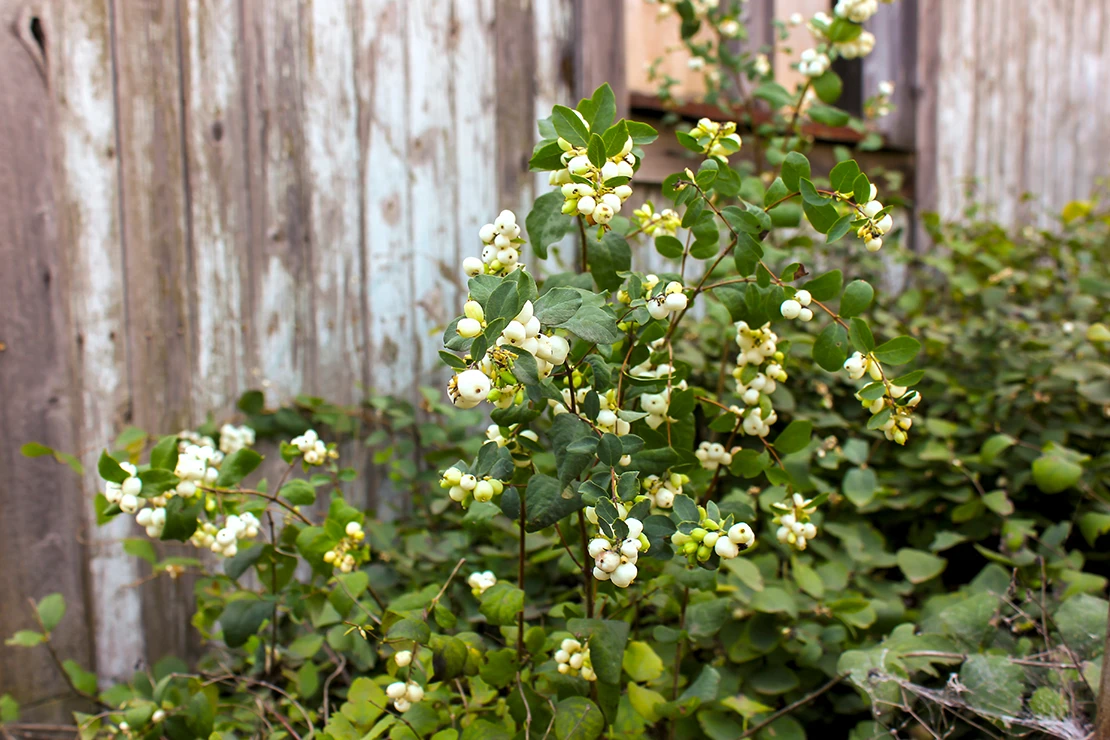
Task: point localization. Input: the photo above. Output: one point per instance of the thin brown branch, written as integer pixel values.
(792, 706)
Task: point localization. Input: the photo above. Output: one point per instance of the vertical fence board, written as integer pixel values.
(279, 289)
(215, 148)
(513, 52)
(158, 269)
(42, 511)
(433, 179)
(599, 50)
(383, 140)
(482, 141)
(86, 170)
(332, 158)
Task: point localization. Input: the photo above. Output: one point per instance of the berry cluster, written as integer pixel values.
(883, 396)
(404, 694)
(814, 63)
(717, 140)
(656, 405)
(479, 581)
(657, 223)
(233, 438)
(711, 536)
(798, 306)
(670, 300)
(594, 191)
(857, 11)
(342, 555)
(501, 247)
(878, 223)
(313, 449)
(662, 489)
(795, 528)
(713, 455)
(608, 418)
(615, 557)
(757, 372)
(465, 487)
(573, 659)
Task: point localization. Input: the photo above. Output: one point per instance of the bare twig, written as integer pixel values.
(792, 706)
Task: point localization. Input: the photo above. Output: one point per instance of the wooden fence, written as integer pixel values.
(203, 196)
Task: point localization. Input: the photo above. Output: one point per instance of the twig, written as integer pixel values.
(678, 654)
(58, 661)
(587, 575)
(566, 546)
(262, 494)
(342, 663)
(521, 555)
(791, 707)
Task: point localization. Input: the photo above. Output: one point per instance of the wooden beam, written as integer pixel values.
(42, 502)
(515, 69)
(925, 83)
(599, 50)
(895, 59)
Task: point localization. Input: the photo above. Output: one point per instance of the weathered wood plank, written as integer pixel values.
(215, 150)
(85, 166)
(925, 93)
(279, 318)
(383, 141)
(599, 50)
(894, 59)
(955, 75)
(434, 181)
(513, 54)
(160, 276)
(333, 166)
(43, 509)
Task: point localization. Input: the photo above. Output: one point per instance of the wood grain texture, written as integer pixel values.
(434, 181)
(599, 50)
(216, 157)
(512, 49)
(925, 114)
(894, 59)
(333, 181)
(280, 317)
(87, 196)
(160, 276)
(43, 509)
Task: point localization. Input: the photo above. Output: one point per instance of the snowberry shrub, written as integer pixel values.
(606, 455)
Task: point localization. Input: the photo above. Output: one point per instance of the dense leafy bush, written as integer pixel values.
(639, 546)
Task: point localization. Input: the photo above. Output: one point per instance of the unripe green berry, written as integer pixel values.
(698, 534)
(704, 553)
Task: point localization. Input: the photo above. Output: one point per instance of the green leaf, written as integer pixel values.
(1081, 621)
(669, 246)
(1054, 473)
(578, 718)
(25, 638)
(51, 609)
(546, 223)
(298, 492)
(365, 702)
(993, 684)
(34, 449)
(501, 603)
(157, 481)
(810, 194)
(609, 257)
(600, 109)
(843, 176)
(641, 133)
(860, 335)
(1093, 525)
(808, 580)
(794, 168)
(831, 348)
(557, 305)
(919, 566)
(859, 486)
(181, 518)
(83, 680)
(641, 663)
(9, 709)
(140, 548)
(237, 466)
(857, 298)
(794, 438)
(645, 701)
(822, 217)
(607, 639)
(596, 150)
(504, 302)
(747, 254)
(994, 446)
(241, 619)
(898, 351)
(705, 686)
(594, 325)
(828, 86)
(549, 501)
(828, 115)
(839, 228)
(827, 286)
(569, 126)
(164, 454)
(110, 470)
